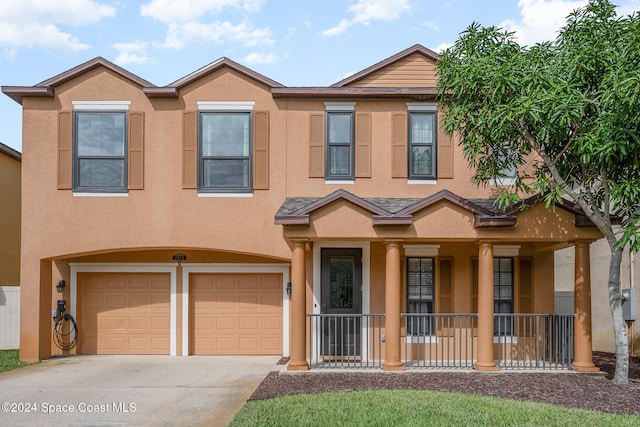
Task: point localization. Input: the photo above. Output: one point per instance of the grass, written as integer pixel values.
(415, 408)
(10, 359)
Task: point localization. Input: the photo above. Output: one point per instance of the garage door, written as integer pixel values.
(235, 313)
(124, 313)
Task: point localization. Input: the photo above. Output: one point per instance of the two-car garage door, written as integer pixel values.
(130, 313)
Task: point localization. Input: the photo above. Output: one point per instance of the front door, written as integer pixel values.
(341, 301)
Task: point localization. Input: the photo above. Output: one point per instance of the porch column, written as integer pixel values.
(583, 359)
(485, 308)
(392, 347)
(298, 325)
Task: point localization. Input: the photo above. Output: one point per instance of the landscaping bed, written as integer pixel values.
(569, 389)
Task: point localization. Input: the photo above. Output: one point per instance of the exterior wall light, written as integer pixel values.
(60, 286)
(288, 288)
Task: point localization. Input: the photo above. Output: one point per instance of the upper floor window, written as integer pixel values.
(422, 144)
(340, 146)
(225, 151)
(100, 150)
(225, 147)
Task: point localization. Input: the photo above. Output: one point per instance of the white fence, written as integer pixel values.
(9, 317)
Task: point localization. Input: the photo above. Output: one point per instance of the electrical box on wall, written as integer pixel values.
(629, 304)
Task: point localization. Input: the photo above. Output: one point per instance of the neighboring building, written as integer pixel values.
(10, 165)
(603, 338)
(182, 217)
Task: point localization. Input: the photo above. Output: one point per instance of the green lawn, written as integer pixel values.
(10, 359)
(415, 408)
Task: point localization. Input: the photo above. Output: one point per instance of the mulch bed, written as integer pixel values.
(593, 392)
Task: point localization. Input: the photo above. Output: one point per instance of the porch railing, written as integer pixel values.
(534, 341)
(345, 340)
(440, 340)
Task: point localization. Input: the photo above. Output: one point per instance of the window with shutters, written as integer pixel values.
(340, 146)
(100, 151)
(224, 151)
(422, 144)
(420, 294)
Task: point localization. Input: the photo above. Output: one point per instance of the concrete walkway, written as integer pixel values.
(131, 390)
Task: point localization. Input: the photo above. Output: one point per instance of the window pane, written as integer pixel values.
(100, 134)
(226, 173)
(340, 162)
(340, 128)
(420, 280)
(101, 173)
(422, 160)
(341, 273)
(421, 128)
(225, 135)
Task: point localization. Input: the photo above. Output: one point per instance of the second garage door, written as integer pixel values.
(235, 314)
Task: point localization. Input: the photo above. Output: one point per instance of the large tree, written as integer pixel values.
(566, 114)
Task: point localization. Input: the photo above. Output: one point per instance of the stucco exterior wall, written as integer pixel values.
(9, 221)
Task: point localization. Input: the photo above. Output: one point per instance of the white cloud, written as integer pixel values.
(366, 11)
(540, 20)
(172, 11)
(260, 58)
(133, 53)
(628, 8)
(441, 47)
(178, 35)
(36, 23)
(188, 22)
(432, 25)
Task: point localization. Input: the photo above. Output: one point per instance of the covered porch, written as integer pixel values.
(443, 290)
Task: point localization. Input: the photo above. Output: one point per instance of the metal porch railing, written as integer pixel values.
(534, 341)
(345, 340)
(440, 340)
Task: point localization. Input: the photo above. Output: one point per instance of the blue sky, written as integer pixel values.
(297, 43)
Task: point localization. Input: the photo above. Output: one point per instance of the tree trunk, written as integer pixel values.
(619, 327)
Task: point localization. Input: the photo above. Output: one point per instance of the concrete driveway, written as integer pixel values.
(131, 390)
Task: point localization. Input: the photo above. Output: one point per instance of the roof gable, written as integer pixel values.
(45, 89)
(413, 67)
(172, 89)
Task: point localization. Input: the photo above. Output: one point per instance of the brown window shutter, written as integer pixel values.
(190, 150)
(399, 155)
(261, 150)
(65, 150)
(136, 150)
(445, 290)
(525, 288)
(363, 145)
(474, 285)
(445, 149)
(316, 145)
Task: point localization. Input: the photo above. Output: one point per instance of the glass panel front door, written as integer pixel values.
(341, 299)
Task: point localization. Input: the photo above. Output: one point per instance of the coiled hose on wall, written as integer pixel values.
(65, 341)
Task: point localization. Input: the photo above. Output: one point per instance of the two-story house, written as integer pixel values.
(226, 213)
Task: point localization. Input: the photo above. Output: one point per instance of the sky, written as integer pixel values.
(296, 43)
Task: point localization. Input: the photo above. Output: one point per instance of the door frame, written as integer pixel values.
(366, 278)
